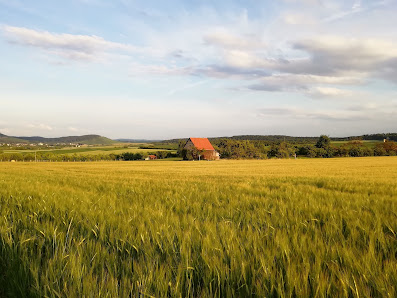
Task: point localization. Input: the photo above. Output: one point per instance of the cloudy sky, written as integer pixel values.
(166, 69)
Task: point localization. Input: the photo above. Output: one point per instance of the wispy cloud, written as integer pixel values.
(298, 113)
(356, 8)
(224, 39)
(327, 92)
(186, 87)
(69, 46)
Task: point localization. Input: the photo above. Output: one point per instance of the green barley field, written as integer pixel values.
(280, 228)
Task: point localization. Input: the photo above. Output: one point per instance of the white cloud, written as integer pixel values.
(224, 39)
(337, 56)
(69, 46)
(324, 60)
(356, 7)
(304, 80)
(310, 85)
(298, 113)
(324, 92)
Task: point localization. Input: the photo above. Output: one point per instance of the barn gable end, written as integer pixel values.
(204, 145)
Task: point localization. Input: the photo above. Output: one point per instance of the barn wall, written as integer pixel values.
(189, 145)
(210, 155)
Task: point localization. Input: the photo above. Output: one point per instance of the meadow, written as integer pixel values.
(280, 228)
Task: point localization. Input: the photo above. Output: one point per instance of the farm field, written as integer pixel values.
(90, 150)
(366, 143)
(305, 227)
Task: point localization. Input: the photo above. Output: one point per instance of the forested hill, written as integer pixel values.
(279, 138)
(13, 140)
(86, 139)
(380, 136)
(273, 138)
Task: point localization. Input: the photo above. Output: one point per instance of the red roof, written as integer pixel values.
(202, 143)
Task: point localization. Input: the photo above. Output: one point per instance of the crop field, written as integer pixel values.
(366, 143)
(280, 228)
(90, 150)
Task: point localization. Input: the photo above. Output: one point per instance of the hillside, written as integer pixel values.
(86, 139)
(9, 140)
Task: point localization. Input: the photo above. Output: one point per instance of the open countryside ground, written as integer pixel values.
(91, 150)
(366, 143)
(275, 227)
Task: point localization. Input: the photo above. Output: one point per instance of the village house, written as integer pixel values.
(204, 146)
(151, 157)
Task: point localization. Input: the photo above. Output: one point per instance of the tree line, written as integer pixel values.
(269, 140)
(235, 149)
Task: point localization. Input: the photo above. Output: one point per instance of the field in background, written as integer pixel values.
(366, 143)
(318, 227)
(85, 150)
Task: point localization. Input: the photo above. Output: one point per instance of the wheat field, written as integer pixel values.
(281, 228)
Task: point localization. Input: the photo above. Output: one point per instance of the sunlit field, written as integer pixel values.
(309, 227)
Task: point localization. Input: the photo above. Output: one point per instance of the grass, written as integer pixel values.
(282, 228)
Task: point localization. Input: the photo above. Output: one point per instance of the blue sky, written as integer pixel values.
(168, 69)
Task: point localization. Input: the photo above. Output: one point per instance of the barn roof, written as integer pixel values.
(202, 143)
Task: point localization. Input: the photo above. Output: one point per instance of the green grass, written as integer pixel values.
(281, 228)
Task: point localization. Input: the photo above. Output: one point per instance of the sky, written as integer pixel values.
(172, 69)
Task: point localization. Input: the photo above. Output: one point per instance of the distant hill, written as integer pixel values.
(86, 139)
(11, 140)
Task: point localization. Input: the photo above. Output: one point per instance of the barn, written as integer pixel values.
(203, 145)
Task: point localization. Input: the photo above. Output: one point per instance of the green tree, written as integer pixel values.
(161, 154)
(323, 142)
(307, 150)
(181, 149)
(283, 150)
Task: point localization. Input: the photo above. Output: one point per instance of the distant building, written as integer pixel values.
(204, 146)
(152, 157)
